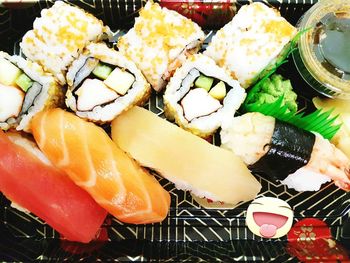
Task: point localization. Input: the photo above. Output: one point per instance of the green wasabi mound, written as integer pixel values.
(273, 96)
(271, 89)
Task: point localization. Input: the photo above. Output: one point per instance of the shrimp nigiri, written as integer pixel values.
(95, 163)
(299, 159)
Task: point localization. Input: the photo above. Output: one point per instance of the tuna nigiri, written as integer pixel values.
(28, 179)
(95, 163)
(299, 159)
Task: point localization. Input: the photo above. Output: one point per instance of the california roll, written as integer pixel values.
(251, 43)
(102, 83)
(159, 42)
(201, 96)
(59, 35)
(25, 90)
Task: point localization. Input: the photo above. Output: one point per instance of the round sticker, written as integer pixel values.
(269, 217)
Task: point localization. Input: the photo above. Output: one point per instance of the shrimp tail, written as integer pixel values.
(345, 182)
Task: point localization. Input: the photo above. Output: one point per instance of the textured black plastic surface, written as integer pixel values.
(189, 232)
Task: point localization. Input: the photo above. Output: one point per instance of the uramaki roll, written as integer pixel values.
(102, 83)
(159, 42)
(25, 90)
(251, 43)
(201, 96)
(59, 35)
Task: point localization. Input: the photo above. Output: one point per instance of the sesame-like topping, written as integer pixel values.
(280, 28)
(158, 39)
(154, 23)
(253, 39)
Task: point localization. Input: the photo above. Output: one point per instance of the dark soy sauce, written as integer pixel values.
(332, 43)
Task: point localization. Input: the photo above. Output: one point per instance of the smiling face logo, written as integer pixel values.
(269, 217)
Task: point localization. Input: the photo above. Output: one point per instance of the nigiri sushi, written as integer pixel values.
(299, 159)
(28, 179)
(95, 163)
(188, 161)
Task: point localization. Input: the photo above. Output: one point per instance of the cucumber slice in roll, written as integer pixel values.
(102, 71)
(204, 82)
(24, 82)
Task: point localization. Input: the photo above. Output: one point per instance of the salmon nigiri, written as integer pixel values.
(32, 182)
(95, 163)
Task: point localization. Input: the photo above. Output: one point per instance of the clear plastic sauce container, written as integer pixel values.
(323, 55)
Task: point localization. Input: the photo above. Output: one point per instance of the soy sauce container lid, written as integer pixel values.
(323, 54)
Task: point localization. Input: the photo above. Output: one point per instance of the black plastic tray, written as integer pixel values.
(189, 232)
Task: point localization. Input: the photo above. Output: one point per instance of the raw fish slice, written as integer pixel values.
(183, 158)
(29, 179)
(91, 159)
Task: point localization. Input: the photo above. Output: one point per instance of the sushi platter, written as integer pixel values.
(145, 162)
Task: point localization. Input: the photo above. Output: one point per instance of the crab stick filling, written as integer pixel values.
(14, 84)
(99, 83)
(205, 95)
